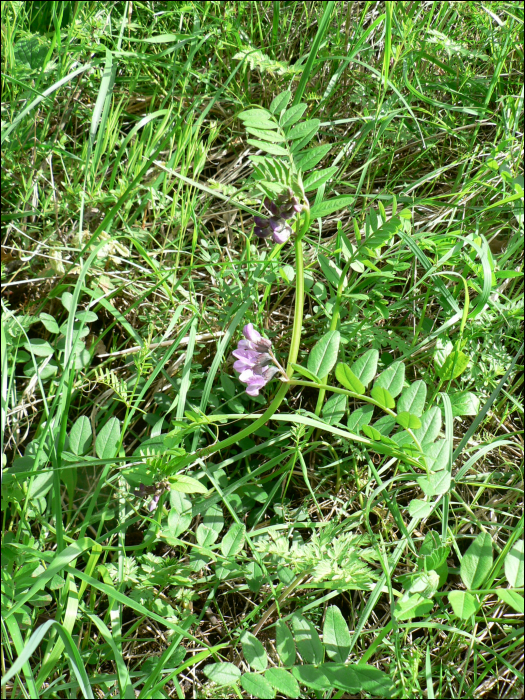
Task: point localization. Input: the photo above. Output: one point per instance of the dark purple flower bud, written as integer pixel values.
(260, 221)
(271, 206)
(269, 371)
(262, 232)
(288, 213)
(276, 224)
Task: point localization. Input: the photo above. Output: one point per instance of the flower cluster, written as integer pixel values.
(254, 360)
(156, 490)
(277, 226)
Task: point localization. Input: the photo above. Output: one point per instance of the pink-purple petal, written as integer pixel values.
(283, 235)
(251, 334)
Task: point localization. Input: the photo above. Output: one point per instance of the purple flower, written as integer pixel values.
(276, 226)
(254, 360)
(156, 490)
(281, 230)
(154, 503)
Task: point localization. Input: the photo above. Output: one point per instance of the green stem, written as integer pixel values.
(292, 358)
(333, 327)
(299, 299)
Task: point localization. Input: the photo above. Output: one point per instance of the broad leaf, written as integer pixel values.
(309, 159)
(86, 316)
(257, 114)
(39, 347)
(324, 354)
(362, 416)
(280, 102)
(214, 519)
(336, 637)
(455, 364)
(49, 323)
(257, 685)
(514, 565)
(373, 681)
(265, 134)
(437, 455)
(283, 682)
(80, 436)
(180, 502)
(318, 178)
(178, 523)
(464, 403)
(392, 378)
(330, 271)
(463, 604)
(430, 425)
(254, 652)
(307, 639)
(284, 643)
(419, 509)
(328, 207)
(206, 536)
(477, 561)
(222, 673)
(67, 300)
(334, 409)
(358, 678)
(365, 367)
(186, 484)
(432, 553)
(254, 576)
(341, 676)
(272, 148)
(512, 598)
(292, 115)
(383, 396)
(108, 439)
(312, 677)
(385, 425)
(304, 129)
(233, 540)
(259, 122)
(371, 433)
(440, 482)
(408, 420)
(180, 515)
(413, 398)
(414, 606)
(347, 378)
(306, 373)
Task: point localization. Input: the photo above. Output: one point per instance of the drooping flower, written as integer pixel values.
(254, 360)
(283, 209)
(155, 490)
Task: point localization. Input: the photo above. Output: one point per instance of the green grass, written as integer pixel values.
(369, 511)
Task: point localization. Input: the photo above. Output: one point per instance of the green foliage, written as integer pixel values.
(149, 503)
(315, 673)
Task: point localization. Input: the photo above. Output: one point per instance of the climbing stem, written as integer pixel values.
(292, 358)
(299, 296)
